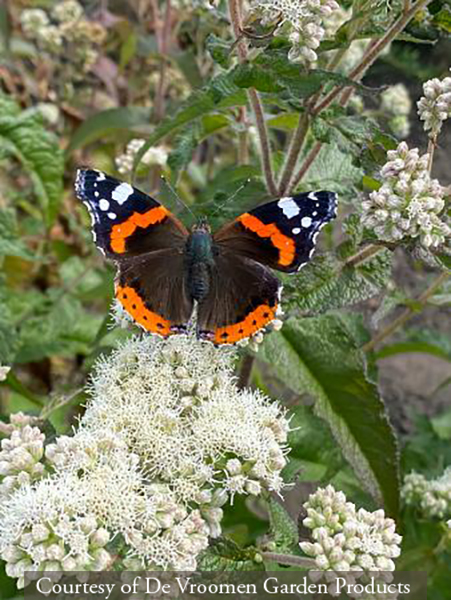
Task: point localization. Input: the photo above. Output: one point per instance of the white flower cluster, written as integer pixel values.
(409, 203)
(435, 106)
(347, 539)
(396, 103)
(20, 456)
(431, 498)
(157, 155)
(302, 20)
(167, 438)
(65, 25)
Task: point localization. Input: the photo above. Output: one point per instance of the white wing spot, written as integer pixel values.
(100, 176)
(122, 192)
(312, 196)
(289, 207)
(314, 213)
(296, 230)
(112, 215)
(306, 222)
(104, 204)
(96, 194)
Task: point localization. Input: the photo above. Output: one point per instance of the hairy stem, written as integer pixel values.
(243, 149)
(362, 255)
(288, 560)
(254, 99)
(309, 160)
(294, 149)
(431, 148)
(406, 314)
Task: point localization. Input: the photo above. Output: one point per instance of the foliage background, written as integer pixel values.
(171, 76)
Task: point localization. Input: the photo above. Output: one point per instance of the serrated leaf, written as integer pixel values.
(324, 284)
(224, 555)
(320, 356)
(333, 170)
(106, 122)
(25, 137)
(219, 50)
(284, 530)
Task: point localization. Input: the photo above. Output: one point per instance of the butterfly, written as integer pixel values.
(164, 270)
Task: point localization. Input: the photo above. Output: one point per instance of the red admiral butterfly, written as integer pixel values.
(163, 269)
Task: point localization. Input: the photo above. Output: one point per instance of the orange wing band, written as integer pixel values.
(285, 245)
(133, 304)
(121, 232)
(254, 321)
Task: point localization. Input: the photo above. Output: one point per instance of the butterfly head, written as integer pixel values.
(202, 226)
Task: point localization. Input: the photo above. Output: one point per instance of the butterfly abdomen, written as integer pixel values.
(199, 262)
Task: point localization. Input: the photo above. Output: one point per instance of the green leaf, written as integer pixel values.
(284, 531)
(324, 284)
(107, 122)
(224, 555)
(412, 347)
(219, 50)
(184, 146)
(334, 170)
(321, 357)
(24, 137)
(443, 18)
(10, 242)
(219, 94)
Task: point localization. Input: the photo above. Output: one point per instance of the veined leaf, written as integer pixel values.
(24, 137)
(283, 529)
(321, 357)
(324, 284)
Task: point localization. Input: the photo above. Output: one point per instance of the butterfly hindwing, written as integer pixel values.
(125, 221)
(243, 299)
(152, 289)
(281, 233)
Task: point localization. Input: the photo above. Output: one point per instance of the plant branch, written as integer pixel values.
(309, 160)
(374, 50)
(294, 149)
(254, 99)
(362, 255)
(406, 314)
(288, 560)
(431, 148)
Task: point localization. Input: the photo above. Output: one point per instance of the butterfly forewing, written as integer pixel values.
(281, 233)
(123, 216)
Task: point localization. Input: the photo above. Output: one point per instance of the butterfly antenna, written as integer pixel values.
(177, 197)
(230, 198)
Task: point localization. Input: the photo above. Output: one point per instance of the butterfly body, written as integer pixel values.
(199, 261)
(164, 271)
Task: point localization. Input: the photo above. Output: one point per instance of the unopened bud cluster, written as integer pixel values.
(435, 106)
(409, 204)
(153, 156)
(301, 20)
(20, 457)
(432, 498)
(65, 31)
(347, 539)
(396, 103)
(166, 440)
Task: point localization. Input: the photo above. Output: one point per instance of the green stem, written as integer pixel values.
(362, 255)
(293, 152)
